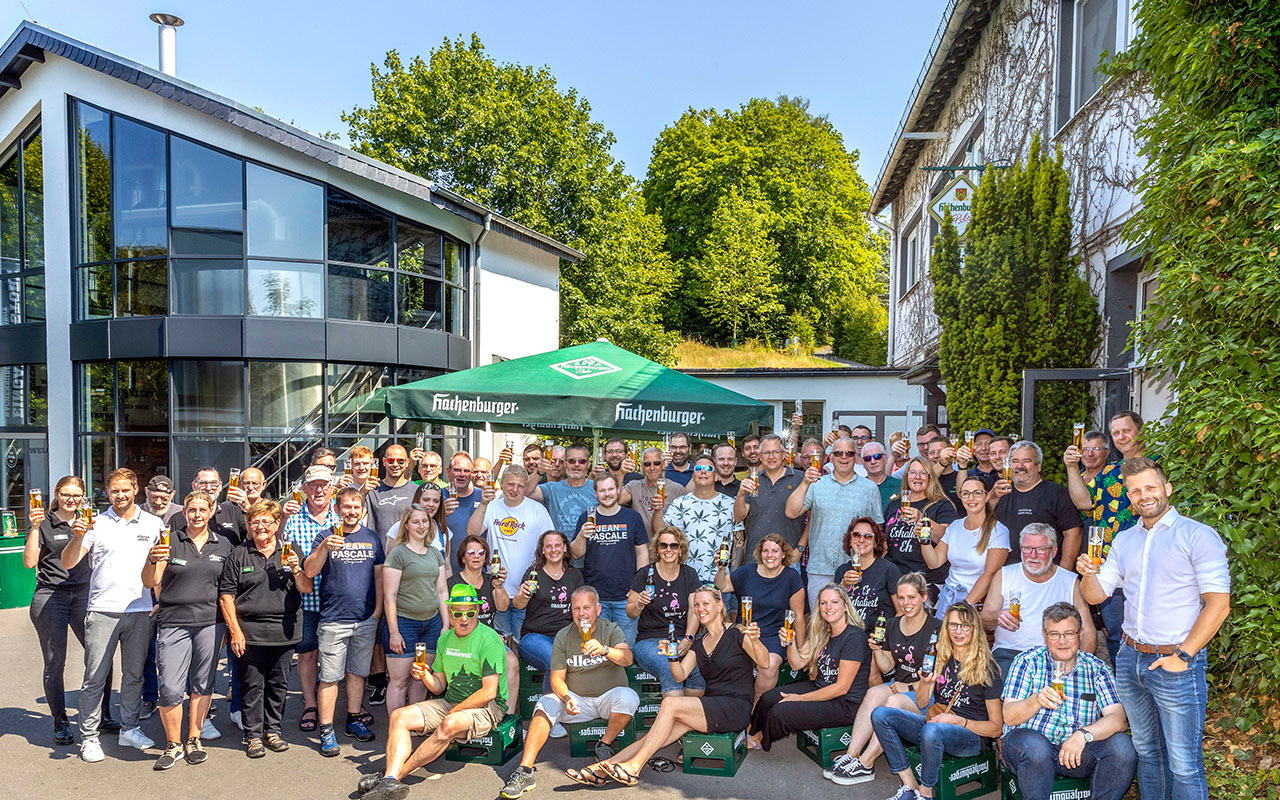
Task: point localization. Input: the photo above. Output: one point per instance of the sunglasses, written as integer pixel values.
(651, 463)
(860, 535)
(463, 614)
(703, 468)
(842, 453)
(668, 545)
(873, 457)
(576, 460)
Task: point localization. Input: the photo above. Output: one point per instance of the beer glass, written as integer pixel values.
(346, 466)
(835, 424)
(420, 440)
(662, 489)
(1077, 435)
(547, 446)
(164, 536)
(1006, 469)
(37, 499)
(86, 511)
(906, 500)
(420, 654)
(1059, 681)
(791, 453)
(585, 627)
(816, 461)
(1095, 544)
(591, 517)
(373, 470)
(297, 492)
(969, 436)
(1015, 606)
(342, 540)
(856, 566)
(733, 439)
(755, 478)
(233, 478)
(286, 550)
(746, 611)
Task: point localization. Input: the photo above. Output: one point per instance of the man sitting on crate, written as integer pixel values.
(471, 672)
(588, 681)
(1078, 732)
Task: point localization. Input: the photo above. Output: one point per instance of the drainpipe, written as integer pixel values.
(475, 300)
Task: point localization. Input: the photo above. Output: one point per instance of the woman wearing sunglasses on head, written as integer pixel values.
(870, 579)
(473, 563)
(660, 598)
(413, 582)
(430, 497)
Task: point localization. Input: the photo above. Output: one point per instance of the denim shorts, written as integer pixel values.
(412, 631)
(310, 638)
(650, 660)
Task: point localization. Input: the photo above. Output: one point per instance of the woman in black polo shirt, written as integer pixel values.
(188, 631)
(260, 594)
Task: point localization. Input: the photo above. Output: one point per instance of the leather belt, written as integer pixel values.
(1149, 649)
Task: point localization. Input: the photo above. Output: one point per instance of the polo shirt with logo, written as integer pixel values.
(188, 595)
(767, 510)
(118, 549)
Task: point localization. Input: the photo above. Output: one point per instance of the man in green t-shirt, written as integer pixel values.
(471, 672)
(589, 658)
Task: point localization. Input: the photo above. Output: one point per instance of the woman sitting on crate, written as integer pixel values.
(725, 656)
(961, 698)
(839, 666)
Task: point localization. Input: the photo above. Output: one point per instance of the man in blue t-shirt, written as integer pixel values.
(349, 558)
(613, 544)
(568, 499)
(460, 500)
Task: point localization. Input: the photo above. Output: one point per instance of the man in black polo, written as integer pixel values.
(726, 460)
(228, 518)
(765, 510)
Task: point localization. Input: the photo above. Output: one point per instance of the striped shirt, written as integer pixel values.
(301, 530)
(1089, 687)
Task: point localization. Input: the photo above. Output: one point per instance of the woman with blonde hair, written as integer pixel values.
(921, 503)
(660, 599)
(839, 667)
(414, 578)
(962, 698)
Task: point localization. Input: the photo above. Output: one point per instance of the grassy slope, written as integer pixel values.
(696, 355)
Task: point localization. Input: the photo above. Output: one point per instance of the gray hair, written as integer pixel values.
(873, 443)
(1038, 529)
(649, 450)
(1061, 611)
(584, 589)
(1027, 443)
(771, 437)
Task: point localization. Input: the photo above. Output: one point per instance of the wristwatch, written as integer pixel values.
(1088, 735)
(1184, 655)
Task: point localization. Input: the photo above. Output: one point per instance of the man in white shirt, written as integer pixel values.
(512, 525)
(119, 611)
(1176, 595)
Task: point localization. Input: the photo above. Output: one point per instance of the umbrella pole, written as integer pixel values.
(595, 447)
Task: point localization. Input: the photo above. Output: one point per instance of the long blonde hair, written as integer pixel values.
(820, 631)
(711, 589)
(433, 530)
(932, 489)
(978, 663)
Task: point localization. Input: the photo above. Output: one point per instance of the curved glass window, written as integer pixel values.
(285, 214)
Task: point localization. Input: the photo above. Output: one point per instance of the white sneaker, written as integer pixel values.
(91, 751)
(236, 720)
(208, 732)
(134, 737)
(558, 731)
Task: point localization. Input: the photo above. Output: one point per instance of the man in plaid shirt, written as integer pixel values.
(1079, 733)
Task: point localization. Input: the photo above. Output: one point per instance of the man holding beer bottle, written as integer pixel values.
(1076, 728)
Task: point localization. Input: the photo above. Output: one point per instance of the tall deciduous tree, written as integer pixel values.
(510, 137)
(1018, 303)
(738, 276)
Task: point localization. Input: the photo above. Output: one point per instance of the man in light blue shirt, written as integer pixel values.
(570, 498)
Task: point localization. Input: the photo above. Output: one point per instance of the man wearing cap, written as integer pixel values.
(160, 499)
(470, 671)
(984, 466)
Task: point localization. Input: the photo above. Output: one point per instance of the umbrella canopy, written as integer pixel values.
(595, 388)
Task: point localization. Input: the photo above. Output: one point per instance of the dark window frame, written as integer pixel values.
(18, 149)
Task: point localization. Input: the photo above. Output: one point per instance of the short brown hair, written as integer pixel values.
(264, 508)
(789, 554)
(124, 473)
(462, 549)
(881, 541)
(1132, 466)
(1131, 415)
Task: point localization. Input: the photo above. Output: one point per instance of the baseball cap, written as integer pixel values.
(987, 431)
(318, 472)
(464, 594)
(160, 483)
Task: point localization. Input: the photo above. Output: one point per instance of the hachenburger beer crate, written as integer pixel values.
(584, 735)
(530, 676)
(788, 675)
(962, 778)
(713, 753)
(528, 699)
(1064, 788)
(495, 748)
(646, 713)
(642, 682)
(823, 744)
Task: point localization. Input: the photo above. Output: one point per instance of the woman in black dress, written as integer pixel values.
(725, 656)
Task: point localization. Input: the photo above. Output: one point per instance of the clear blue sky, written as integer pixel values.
(640, 64)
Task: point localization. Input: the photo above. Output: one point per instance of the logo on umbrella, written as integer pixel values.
(588, 367)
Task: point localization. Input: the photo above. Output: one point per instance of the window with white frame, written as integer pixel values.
(910, 268)
(1088, 30)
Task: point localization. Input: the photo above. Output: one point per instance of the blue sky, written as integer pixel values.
(639, 64)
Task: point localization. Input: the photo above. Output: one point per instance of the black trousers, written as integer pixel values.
(53, 612)
(776, 720)
(264, 683)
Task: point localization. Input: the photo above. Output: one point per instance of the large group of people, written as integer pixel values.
(947, 600)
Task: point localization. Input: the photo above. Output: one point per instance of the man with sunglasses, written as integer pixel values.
(876, 460)
(470, 671)
(762, 501)
(568, 499)
(641, 494)
(705, 516)
(384, 505)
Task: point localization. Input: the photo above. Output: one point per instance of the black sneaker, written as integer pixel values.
(378, 696)
(171, 755)
(195, 753)
(148, 709)
(852, 772)
(366, 783)
(109, 725)
(604, 751)
(62, 732)
(521, 781)
(387, 788)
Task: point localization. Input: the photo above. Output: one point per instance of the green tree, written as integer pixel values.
(736, 279)
(1211, 222)
(793, 164)
(1018, 303)
(510, 137)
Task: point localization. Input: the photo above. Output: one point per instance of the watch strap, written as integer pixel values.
(1184, 655)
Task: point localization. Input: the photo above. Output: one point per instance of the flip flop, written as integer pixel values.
(620, 774)
(310, 719)
(587, 776)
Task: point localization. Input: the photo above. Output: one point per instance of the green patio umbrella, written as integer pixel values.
(594, 388)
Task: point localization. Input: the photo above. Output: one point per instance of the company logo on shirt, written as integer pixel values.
(354, 553)
(509, 526)
(581, 661)
(610, 534)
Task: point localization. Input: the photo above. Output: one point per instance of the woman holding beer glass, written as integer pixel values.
(870, 579)
(660, 597)
(544, 596)
(960, 692)
(923, 511)
(975, 546)
(61, 598)
(260, 593)
(767, 590)
(724, 655)
(839, 666)
(473, 563)
(414, 578)
(186, 567)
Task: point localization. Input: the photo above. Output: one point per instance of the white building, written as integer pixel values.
(997, 73)
(189, 281)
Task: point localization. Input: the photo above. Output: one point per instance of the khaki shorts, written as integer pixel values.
(482, 720)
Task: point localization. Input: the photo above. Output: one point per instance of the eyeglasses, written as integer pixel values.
(860, 438)
(703, 468)
(650, 463)
(959, 626)
(973, 493)
(873, 457)
(1041, 550)
(208, 484)
(1061, 636)
(770, 452)
(668, 545)
(842, 453)
(463, 614)
(1096, 450)
(576, 460)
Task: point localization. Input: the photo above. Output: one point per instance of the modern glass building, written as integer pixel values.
(190, 282)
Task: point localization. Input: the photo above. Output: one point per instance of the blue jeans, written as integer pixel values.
(616, 611)
(651, 661)
(1107, 763)
(535, 650)
(1112, 611)
(1166, 717)
(894, 725)
(510, 622)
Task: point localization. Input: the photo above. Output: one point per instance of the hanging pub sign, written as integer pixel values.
(957, 196)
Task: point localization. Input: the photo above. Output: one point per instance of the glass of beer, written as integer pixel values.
(233, 477)
(37, 499)
(791, 453)
(969, 436)
(1059, 681)
(420, 654)
(297, 492)
(733, 439)
(746, 611)
(1006, 469)
(591, 517)
(816, 459)
(906, 500)
(1077, 435)
(286, 550)
(86, 511)
(337, 531)
(1015, 606)
(755, 478)
(585, 627)
(856, 566)
(1096, 533)
(662, 489)
(420, 440)
(164, 536)
(373, 470)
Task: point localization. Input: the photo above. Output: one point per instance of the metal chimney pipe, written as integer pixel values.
(169, 25)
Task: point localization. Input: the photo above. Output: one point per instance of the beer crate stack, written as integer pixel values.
(649, 688)
(530, 690)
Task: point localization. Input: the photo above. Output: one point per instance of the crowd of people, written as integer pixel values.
(952, 599)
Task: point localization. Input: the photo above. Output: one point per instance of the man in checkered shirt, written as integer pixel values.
(1079, 733)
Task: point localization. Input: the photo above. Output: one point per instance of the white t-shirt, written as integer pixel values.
(119, 551)
(967, 564)
(513, 533)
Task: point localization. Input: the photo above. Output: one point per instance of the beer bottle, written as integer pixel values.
(673, 650)
(722, 555)
(924, 530)
(930, 656)
(495, 563)
(533, 581)
(746, 611)
(877, 635)
(650, 586)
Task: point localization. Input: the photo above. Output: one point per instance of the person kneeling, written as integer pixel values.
(1051, 707)
(588, 681)
(470, 671)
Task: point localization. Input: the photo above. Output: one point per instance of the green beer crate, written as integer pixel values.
(528, 699)
(962, 778)
(495, 748)
(530, 676)
(1064, 788)
(713, 753)
(824, 744)
(788, 675)
(584, 735)
(646, 713)
(642, 682)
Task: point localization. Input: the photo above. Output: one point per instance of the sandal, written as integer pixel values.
(365, 717)
(587, 776)
(310, 719)
(620, 774)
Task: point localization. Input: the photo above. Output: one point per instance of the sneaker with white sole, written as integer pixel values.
(852, 772)
(91, 751)
(171, 755)
(236, 720)
(905, 794)
(208, 732)
(134, 737)
(840, 759)
(558, 731)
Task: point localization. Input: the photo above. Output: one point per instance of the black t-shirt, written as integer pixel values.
(988, 478)
(484, 591)
(228, 522)
(908, 651)
(970, 701)
(610, 560)
(873, 594)
(54, 536)
(850, 645)
(1047, 502)
(948, 482)
(670, 602)
(904, 545)
(188, 593)
(729, 489)
(548, 609)
(268, 603)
